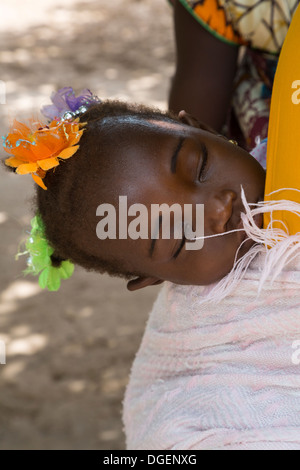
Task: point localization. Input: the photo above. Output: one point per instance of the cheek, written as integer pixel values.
(253, 173)
(216, 258)
(204, 266)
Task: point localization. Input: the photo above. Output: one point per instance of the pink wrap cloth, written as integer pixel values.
(219, 376)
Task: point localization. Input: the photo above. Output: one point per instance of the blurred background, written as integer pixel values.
(69, 353)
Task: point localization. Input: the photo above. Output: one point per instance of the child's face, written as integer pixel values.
(150, 170)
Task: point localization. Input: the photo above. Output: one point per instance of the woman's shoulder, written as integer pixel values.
(245, 22)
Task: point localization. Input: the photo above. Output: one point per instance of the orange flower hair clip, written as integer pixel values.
(37, 149)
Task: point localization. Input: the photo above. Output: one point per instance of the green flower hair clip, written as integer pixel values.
(39, 261)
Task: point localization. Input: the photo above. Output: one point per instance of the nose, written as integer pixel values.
(219, 210)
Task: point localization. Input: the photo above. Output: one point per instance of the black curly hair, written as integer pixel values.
(62, 206)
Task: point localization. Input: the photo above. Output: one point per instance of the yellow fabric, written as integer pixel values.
(283, 153)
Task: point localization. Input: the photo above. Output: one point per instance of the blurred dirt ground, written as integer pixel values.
(68, 354)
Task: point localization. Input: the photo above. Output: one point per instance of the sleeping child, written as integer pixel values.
(218, 365)
(150, 157)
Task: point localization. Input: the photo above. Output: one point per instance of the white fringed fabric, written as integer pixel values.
(220, 376)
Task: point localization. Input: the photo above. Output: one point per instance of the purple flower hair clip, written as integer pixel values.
(66, 105)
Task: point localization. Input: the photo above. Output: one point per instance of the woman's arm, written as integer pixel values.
(205, 71)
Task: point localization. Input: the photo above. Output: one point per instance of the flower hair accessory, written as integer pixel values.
(39, 261)
(36, 148)
(39, 148)
(67, 106)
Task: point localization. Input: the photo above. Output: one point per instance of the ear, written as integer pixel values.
(141, 282)
(190, 120)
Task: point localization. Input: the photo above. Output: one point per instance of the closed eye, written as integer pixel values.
(204, 162)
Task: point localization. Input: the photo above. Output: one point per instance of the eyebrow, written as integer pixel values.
(175, 154)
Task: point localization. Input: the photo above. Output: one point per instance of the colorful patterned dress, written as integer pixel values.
(260, 26)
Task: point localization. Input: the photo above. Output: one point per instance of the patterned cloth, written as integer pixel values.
(260, 26)
(219, 376)
(248, 118)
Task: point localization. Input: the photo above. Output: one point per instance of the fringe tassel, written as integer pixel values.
(276, 244)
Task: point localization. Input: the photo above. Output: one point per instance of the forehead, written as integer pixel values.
(140, 156)
(138, 124)
(148, 143)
